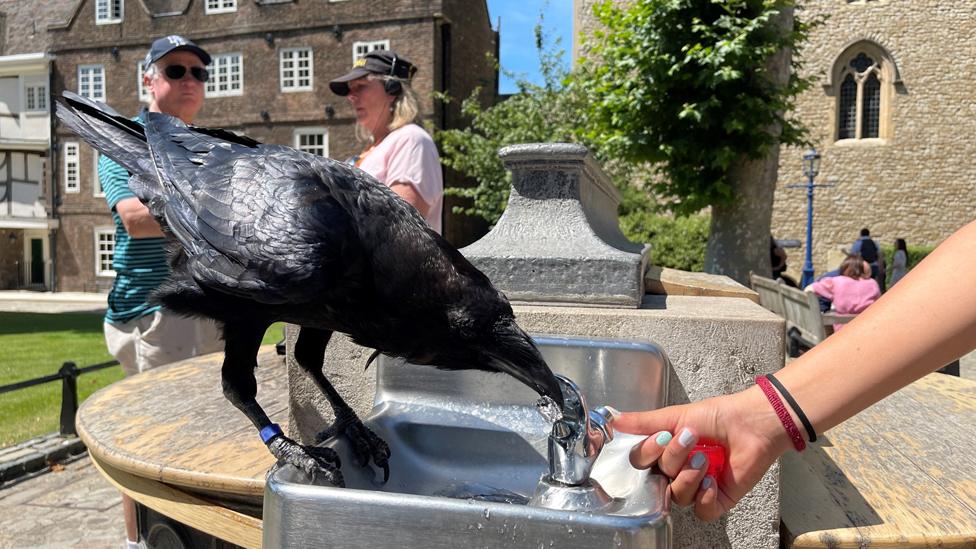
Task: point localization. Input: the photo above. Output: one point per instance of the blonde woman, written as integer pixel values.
(399, 153)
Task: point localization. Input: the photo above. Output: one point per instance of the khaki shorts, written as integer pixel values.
(160, 338)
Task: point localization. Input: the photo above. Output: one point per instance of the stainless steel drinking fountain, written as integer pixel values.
(470, 468)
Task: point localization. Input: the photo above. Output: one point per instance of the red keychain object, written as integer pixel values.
(715, 454)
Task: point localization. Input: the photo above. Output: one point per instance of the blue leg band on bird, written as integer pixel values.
(269, 432)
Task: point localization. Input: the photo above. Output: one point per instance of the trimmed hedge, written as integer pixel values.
(915, 255)
(676, 242)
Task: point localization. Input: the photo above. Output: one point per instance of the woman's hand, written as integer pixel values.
(744, 424)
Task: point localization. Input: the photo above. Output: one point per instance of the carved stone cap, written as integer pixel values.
(559, 239)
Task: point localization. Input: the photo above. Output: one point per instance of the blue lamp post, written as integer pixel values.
(811, 167)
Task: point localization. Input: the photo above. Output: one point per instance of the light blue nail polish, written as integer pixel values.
(663, 438)
(698, 460)
(686, 437)
(707, 483)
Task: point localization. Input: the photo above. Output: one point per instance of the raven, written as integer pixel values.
(260, 233)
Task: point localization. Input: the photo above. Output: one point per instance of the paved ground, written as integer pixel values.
(22, 301)
(71, 507)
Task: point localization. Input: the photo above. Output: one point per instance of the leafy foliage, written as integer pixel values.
(536, 114)
(682, 84)
(676, 242)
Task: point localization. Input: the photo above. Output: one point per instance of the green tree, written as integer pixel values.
(698, 89)
(536, 114)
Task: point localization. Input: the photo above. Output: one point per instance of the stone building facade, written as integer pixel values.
(891, 114)
(272, 63)
(898, 139)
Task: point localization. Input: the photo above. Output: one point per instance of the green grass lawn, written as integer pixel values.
(34, 345)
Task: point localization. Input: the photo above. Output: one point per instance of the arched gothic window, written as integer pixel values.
(863, 79)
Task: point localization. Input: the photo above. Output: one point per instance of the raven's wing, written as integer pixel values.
(263, 222)
(114, 135)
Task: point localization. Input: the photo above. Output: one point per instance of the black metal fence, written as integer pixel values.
(68, 374)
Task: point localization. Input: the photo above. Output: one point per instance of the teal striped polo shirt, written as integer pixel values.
(139, 263)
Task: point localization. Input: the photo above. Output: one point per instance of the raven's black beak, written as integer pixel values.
(515, 354)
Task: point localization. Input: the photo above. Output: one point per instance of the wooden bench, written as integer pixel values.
(806, 325)
(901, 474)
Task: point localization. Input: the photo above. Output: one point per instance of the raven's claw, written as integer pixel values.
(318, 463)
(366, 445)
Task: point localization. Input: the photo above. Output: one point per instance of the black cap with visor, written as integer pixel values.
(381, 62)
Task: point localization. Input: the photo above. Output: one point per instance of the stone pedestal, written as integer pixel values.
(716, 345)
(559, 240)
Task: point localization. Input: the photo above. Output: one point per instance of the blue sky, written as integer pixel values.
(517, 49)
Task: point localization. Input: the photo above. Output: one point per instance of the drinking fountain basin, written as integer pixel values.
(468, 450)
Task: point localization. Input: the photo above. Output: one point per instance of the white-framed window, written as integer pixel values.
(108, 12)
(35, 97)
(104, 251)
(71, 181)
(220, 6)
(312, 140)
(295, 68)
(140, 72)
(360, 49)
(96, 181)
(226, 75)
(91, 82)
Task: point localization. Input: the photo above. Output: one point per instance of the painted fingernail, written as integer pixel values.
(686, 437)
(707, 483)
(663, 438)
(698, 460)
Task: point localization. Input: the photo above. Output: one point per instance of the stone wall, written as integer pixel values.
(918, 184)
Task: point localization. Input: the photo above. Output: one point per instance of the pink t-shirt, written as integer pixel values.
(848, 296)
(408, 155)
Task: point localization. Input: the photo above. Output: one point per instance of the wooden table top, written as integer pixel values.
(173, 425)
(900, 474)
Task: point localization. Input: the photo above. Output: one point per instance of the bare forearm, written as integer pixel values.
(924, 322)
(137, 220)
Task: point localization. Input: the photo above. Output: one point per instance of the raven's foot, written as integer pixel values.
(318, 463)
(366, 445)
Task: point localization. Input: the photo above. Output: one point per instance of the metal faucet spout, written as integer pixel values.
(577, 439)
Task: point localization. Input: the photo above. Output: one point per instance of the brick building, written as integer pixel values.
(891, 113)
(26, 227)
(269, 79)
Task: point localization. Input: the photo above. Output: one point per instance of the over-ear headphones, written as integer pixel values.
(392, 86)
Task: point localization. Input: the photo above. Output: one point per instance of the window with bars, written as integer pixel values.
(295, 68)
(312, 140)
(91, 82)
(360, 49)
(104, 251)
(220, 6)
(859, 101)
(35, 97)
(108, 12)
(226, 75)
(71, 182)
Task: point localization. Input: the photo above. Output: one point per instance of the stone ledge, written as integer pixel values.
(665, 281)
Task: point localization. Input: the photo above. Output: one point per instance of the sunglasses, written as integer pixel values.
(177, 72)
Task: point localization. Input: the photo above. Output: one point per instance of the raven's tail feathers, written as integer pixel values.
(110, 133)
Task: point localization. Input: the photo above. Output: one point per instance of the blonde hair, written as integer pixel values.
(405, 108)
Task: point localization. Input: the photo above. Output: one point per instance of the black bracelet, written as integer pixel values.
(795, 406)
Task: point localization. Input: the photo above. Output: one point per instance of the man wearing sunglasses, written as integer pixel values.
(141, 335)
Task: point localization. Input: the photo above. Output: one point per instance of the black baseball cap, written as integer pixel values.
(375, 62)
(172, 43)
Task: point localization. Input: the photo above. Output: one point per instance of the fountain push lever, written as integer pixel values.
(574, 444)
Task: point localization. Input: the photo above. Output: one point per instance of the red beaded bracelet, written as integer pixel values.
(782, 413)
